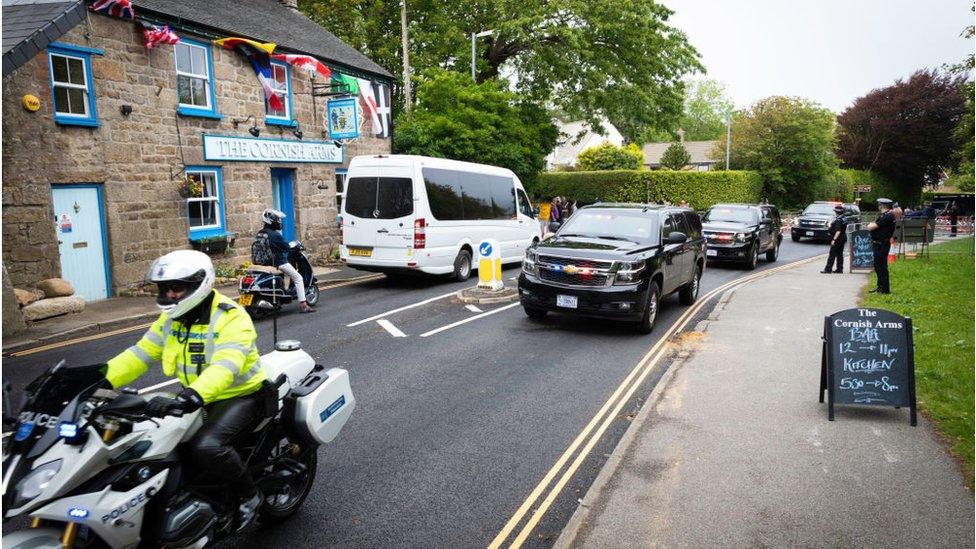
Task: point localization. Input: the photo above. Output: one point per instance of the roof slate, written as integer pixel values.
(29, 26)
(700, 152)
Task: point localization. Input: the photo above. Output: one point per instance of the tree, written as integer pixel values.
(485, 123)
(610, 157)
(904, 131)
(963, 178)
(706, 109)
(789, 141)
(621, 60)
(675, 157)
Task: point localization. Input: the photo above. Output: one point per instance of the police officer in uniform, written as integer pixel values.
(838, 237)
(882, 229)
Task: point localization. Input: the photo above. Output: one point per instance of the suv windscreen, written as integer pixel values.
(632, 225)
(719, 214)
(379, 197)
(819, 209)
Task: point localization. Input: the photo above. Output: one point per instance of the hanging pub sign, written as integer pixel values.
(342, 118)
(868, 359)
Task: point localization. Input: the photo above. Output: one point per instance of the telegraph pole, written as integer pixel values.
(407, 84)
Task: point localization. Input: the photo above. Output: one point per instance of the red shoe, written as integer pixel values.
(304, 307)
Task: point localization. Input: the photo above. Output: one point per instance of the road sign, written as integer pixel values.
(862, 188)
(490, 265)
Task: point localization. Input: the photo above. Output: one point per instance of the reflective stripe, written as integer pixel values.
(234, 346)
(208, 348)
(143, 356)
(227, 365)
(153, 337)
(166, 326)
(253, 371)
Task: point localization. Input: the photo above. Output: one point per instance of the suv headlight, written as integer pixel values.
(742, 237)
(36, 482)
(628, 272)
(796, 222)
(528, 263)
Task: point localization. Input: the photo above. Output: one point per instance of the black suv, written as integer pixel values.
(615, 261)
(814, 221)
(740, 232)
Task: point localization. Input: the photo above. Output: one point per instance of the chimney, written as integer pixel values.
(290, 4)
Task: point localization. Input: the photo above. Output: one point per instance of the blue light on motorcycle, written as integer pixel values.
(67, 430)
(23, 431)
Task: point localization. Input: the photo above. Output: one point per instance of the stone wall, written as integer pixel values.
(139, 157)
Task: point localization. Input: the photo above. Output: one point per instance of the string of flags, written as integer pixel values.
(116, 8)
(259, 55)
(155, 35)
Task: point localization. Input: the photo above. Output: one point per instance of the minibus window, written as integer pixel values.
(379, 197)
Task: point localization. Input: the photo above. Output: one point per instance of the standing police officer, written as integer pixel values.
(882, 229)
(838, 237)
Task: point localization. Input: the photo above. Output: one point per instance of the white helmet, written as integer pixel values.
(187, 270)
(273, 217)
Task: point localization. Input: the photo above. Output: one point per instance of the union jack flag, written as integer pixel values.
(156, 35)
(306, 63)
(116, 8)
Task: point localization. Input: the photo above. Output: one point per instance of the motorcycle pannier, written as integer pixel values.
(319, 405)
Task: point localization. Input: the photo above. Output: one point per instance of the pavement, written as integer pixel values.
(733, 448)
(118, 313)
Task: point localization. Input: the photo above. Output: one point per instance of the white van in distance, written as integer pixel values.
(406, 213)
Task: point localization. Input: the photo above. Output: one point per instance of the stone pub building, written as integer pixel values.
(114, 153)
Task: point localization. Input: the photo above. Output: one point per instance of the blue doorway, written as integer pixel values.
(283, 198)
(79, 220)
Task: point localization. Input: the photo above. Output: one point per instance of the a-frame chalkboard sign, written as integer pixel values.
(868, 358)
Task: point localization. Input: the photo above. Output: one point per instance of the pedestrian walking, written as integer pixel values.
(555, 215)
(952, 210)
(882, 229)
(838, 237)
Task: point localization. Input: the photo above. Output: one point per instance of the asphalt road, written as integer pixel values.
(456, 421)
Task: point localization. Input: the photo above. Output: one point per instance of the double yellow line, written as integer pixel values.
(597, 426)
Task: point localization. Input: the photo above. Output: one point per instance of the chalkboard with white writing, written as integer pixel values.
(862, 256)
(868, 359)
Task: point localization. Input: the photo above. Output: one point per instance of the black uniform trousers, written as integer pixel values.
(881, 250)
(211, 450)
(836, 253)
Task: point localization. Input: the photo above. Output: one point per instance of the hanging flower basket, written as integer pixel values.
(187, 187)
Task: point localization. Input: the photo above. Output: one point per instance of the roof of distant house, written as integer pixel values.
(30, 25)
(700, 152)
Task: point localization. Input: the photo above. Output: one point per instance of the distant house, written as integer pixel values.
(570, 142)
(700, 152)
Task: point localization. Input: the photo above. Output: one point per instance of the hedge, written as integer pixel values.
(880, 187)
(700, 189)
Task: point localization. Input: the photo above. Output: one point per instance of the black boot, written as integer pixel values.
(247, 510)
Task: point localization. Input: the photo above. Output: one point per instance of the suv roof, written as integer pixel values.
(740, 205)
(634, 206)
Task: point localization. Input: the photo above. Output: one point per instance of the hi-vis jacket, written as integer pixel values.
(218, 360)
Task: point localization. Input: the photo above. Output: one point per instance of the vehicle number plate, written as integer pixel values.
(809, 233)
(363, 252)
(568, 301)
(711, 253)
(245, 299)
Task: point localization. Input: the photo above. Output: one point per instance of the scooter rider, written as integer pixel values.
(272, 231)
(209, 343)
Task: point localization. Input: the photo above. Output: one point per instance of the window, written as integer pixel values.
(455, 195)
(668, 227)
(340, 183)
(281, 83)
(194, 79)
(524, 205)
(693, 223)
(443, 194)
(379, 197)
(71, 85)
(204, 206)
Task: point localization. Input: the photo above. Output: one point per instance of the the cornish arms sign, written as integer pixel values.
(244, 149)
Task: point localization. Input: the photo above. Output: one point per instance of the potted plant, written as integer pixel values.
(188, 187)
(210, 244)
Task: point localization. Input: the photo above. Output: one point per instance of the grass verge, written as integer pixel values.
(938, 294)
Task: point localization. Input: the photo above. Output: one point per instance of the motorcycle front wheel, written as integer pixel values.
(312, 294)
(286, 500)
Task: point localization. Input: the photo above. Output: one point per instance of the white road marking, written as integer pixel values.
(465, 321)
(389, 327)
(157, 386)
(388, 313)
(472, 308)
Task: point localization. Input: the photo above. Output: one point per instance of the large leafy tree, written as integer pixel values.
(905, 131)
(618, 58)
(789, 141)
(706, 109)
(456, 118)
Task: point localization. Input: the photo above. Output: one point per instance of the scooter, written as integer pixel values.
(266, 284)
(98, 471)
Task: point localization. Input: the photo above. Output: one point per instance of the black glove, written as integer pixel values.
(160, 406)
(192, 401)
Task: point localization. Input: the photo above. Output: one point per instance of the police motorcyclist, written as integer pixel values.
(272, 232)
(209, 344)
(882, 229)
(838, 237)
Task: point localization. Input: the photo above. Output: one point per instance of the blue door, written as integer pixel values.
(79, 221)
(284, 199)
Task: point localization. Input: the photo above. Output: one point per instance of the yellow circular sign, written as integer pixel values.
(31, 102)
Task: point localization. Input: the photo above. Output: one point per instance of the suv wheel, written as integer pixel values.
(753, 257)
(795, 237)
(462, 266)
(773, 252)
(689, 293)
(646, 323)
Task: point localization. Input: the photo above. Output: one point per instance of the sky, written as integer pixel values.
(831, 51)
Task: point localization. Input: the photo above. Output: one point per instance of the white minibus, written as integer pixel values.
(404, 213)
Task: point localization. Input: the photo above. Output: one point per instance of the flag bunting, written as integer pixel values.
(116, 8)
(156, 35)
(259, 54)
(306, 63)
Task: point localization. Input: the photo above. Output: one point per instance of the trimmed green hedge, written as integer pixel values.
(700, 189)
(879, 188)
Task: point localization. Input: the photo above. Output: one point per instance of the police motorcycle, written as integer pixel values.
(263, 283)
(92, 469)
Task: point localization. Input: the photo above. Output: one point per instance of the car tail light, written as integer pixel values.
(419, 234)
(340, 230)
(247, 281)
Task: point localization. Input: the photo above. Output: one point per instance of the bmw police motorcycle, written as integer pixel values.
(90, 468)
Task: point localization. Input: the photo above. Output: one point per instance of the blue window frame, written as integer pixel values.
(194, 79)
(205, 205)
(281, 82)
(72, 90)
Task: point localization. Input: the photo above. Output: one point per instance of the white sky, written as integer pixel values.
(831, 51)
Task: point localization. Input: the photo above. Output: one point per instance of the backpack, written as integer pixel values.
(261, 252)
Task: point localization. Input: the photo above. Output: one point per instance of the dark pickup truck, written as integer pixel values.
(615, 261)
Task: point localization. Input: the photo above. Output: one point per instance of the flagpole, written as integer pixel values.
(407, 85)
